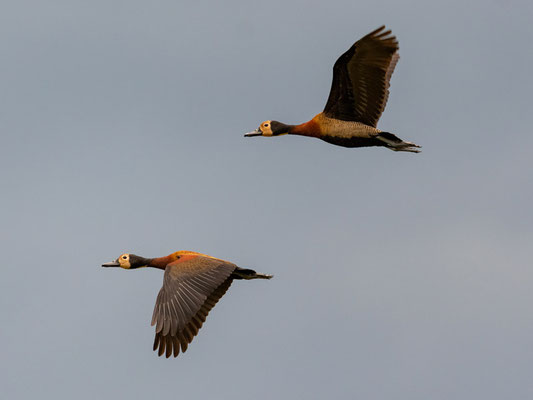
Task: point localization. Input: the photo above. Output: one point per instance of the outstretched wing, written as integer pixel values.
(361, 77)
(191, 288)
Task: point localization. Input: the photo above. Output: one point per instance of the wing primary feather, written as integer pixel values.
(156, 341)
(160, 318)
(183, 312)
(169, 346)
(183, 342)
(157, 302)
(161, 346)
(176, 346)
(174, 321)
(168, 319)
(184, 303)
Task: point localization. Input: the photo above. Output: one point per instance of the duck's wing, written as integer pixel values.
(361, 77)
(190, 290)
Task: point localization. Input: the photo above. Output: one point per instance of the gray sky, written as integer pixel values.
(397, 276)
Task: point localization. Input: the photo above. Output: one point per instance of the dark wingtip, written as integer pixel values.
(375, 31)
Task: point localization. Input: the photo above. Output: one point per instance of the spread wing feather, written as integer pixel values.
(190, 290)
(361, 77)
(171, 344)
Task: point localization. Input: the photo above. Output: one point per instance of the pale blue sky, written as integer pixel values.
(397, 276)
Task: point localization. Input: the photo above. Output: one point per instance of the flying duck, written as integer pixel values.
(358, 96)
(192, 285)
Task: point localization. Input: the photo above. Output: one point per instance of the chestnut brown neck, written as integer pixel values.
(310, 128)
(160, 262)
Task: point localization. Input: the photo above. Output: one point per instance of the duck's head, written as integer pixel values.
(128, 261)
(270, 128)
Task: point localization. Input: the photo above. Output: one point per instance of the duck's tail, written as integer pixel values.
(243, 273)
(394, 143)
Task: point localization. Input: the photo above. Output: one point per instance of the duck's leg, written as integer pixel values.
(394, 143)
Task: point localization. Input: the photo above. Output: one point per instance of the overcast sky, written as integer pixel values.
(397, 275)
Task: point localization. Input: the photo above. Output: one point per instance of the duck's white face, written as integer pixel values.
(270, 128)
(128, 261)
(265, 129)
(124, 261)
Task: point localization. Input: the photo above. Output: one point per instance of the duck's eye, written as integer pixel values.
(124, 257)
(266, 125)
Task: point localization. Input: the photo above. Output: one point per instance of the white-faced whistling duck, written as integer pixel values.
(358, 96)
(192, 285)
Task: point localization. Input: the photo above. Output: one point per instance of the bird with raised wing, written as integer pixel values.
(192, 285)
(358, 96)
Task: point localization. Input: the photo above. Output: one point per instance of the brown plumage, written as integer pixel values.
(192, 285)
(358, 96)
